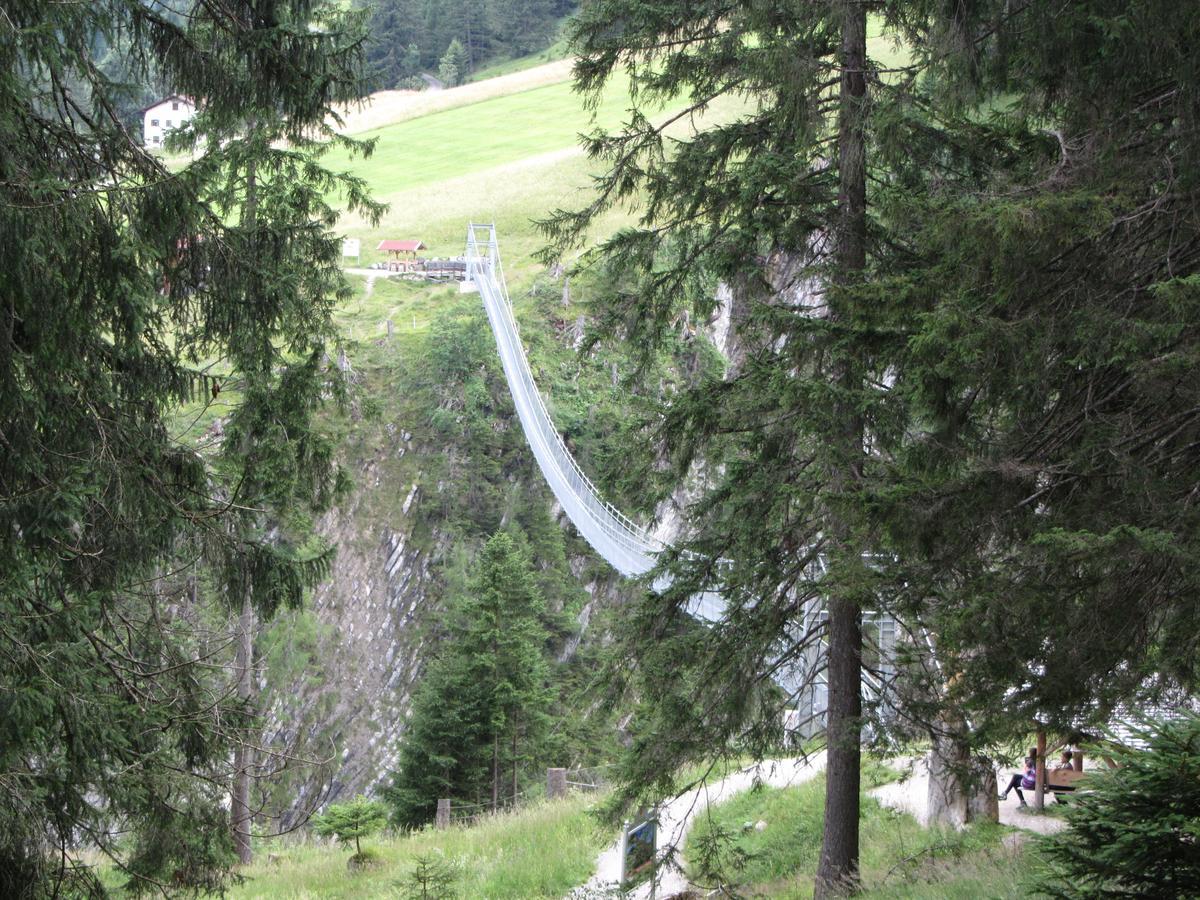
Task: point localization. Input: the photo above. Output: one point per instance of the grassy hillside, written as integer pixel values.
(510, 159)
(467, 139)
(511, 195)
(503, 857)
(900, 859)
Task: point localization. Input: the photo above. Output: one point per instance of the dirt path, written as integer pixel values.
(677, 816)
(912, 796)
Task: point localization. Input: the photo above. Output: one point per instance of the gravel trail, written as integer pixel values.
(677, 816)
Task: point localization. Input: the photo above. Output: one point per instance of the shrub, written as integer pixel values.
(432, 878)
(355, 820)
(1135, 832)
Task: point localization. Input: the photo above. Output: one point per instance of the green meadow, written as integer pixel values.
(539, 851)
(510, 159)
(455, 142)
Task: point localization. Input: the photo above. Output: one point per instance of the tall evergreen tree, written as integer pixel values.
(1044, 486)
(126, 290)
(454, 66)
(482, 709)
(985, 387)
(774, 203)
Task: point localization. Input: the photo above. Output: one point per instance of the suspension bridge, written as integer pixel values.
(628, 547)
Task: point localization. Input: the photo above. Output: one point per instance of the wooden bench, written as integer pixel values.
(1061, 782)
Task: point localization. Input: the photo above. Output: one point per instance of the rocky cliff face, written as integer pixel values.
(337, 679)
(339, 696)
(347, 705)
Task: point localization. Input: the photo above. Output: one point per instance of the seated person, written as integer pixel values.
(1026, 779)
(1063, 774)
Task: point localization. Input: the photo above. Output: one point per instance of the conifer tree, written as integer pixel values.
(1134, 827)
(129, 290)
(352, 821)
(454, 66)
(776, 204)
(482, 709)
(1042, 494)
(991, 402)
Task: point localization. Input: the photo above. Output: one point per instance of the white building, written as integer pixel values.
(164, 115)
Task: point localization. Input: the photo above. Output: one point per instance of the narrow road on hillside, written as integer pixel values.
(677, 816)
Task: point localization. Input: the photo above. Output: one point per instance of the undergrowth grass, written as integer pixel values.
(538, 851)
(900, 859)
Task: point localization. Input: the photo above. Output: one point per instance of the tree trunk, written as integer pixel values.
(243, 754)
(514, 764)
(962, 788)
(837, 870)
(495, 771)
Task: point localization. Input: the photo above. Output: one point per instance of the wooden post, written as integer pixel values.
(443, 814)
(1039, 796)
(389, 329)
(556, 783)
(623, 850)
(1077, 760)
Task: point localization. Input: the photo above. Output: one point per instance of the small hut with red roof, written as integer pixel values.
(403, 254)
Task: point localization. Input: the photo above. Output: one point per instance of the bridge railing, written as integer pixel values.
(620, 540)
(627, 546)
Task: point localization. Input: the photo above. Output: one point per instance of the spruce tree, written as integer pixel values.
(454, 66)
(1134, 828)
(776, 204)
(128, 291)
(994, 402)
(352, 821)
(482, 710)
(1042, 494)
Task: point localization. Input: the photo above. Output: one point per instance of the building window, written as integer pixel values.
(168, 123)
(154, 123)
(156, 139)
(174, 104)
